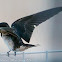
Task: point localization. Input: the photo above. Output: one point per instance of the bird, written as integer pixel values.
(23, 28)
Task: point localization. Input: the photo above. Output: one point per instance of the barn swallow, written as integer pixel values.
(23, 29)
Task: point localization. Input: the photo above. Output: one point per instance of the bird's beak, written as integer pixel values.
(2, 31)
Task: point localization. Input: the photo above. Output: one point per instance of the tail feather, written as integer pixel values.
(61, 8)
(29, 45)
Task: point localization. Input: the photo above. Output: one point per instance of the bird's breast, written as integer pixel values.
(8, 41)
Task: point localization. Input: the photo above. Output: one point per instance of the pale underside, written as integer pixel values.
(8, 41)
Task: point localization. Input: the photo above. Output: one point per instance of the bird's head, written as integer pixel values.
(4, 24)
(3, 27)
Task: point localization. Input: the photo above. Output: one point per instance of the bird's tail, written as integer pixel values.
(61, 8)
(30, 45)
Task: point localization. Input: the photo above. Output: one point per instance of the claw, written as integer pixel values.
(14, 53)
(8, 54)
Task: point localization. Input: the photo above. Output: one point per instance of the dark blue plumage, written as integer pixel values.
(23, 28)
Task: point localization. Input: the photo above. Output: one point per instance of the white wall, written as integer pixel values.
(47, 34)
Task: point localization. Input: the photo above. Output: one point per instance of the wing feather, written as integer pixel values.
(25, 26)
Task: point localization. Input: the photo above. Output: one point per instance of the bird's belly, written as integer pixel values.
(8, 42)
(22, 48)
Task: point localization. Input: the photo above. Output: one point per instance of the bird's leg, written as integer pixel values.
(8, 53)
(14, 53)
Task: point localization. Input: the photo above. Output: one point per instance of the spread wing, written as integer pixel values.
(25, 26)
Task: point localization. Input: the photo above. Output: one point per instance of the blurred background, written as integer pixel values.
(48, 34)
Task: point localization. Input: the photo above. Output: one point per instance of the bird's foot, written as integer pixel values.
(8, 53)
(15, 53)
